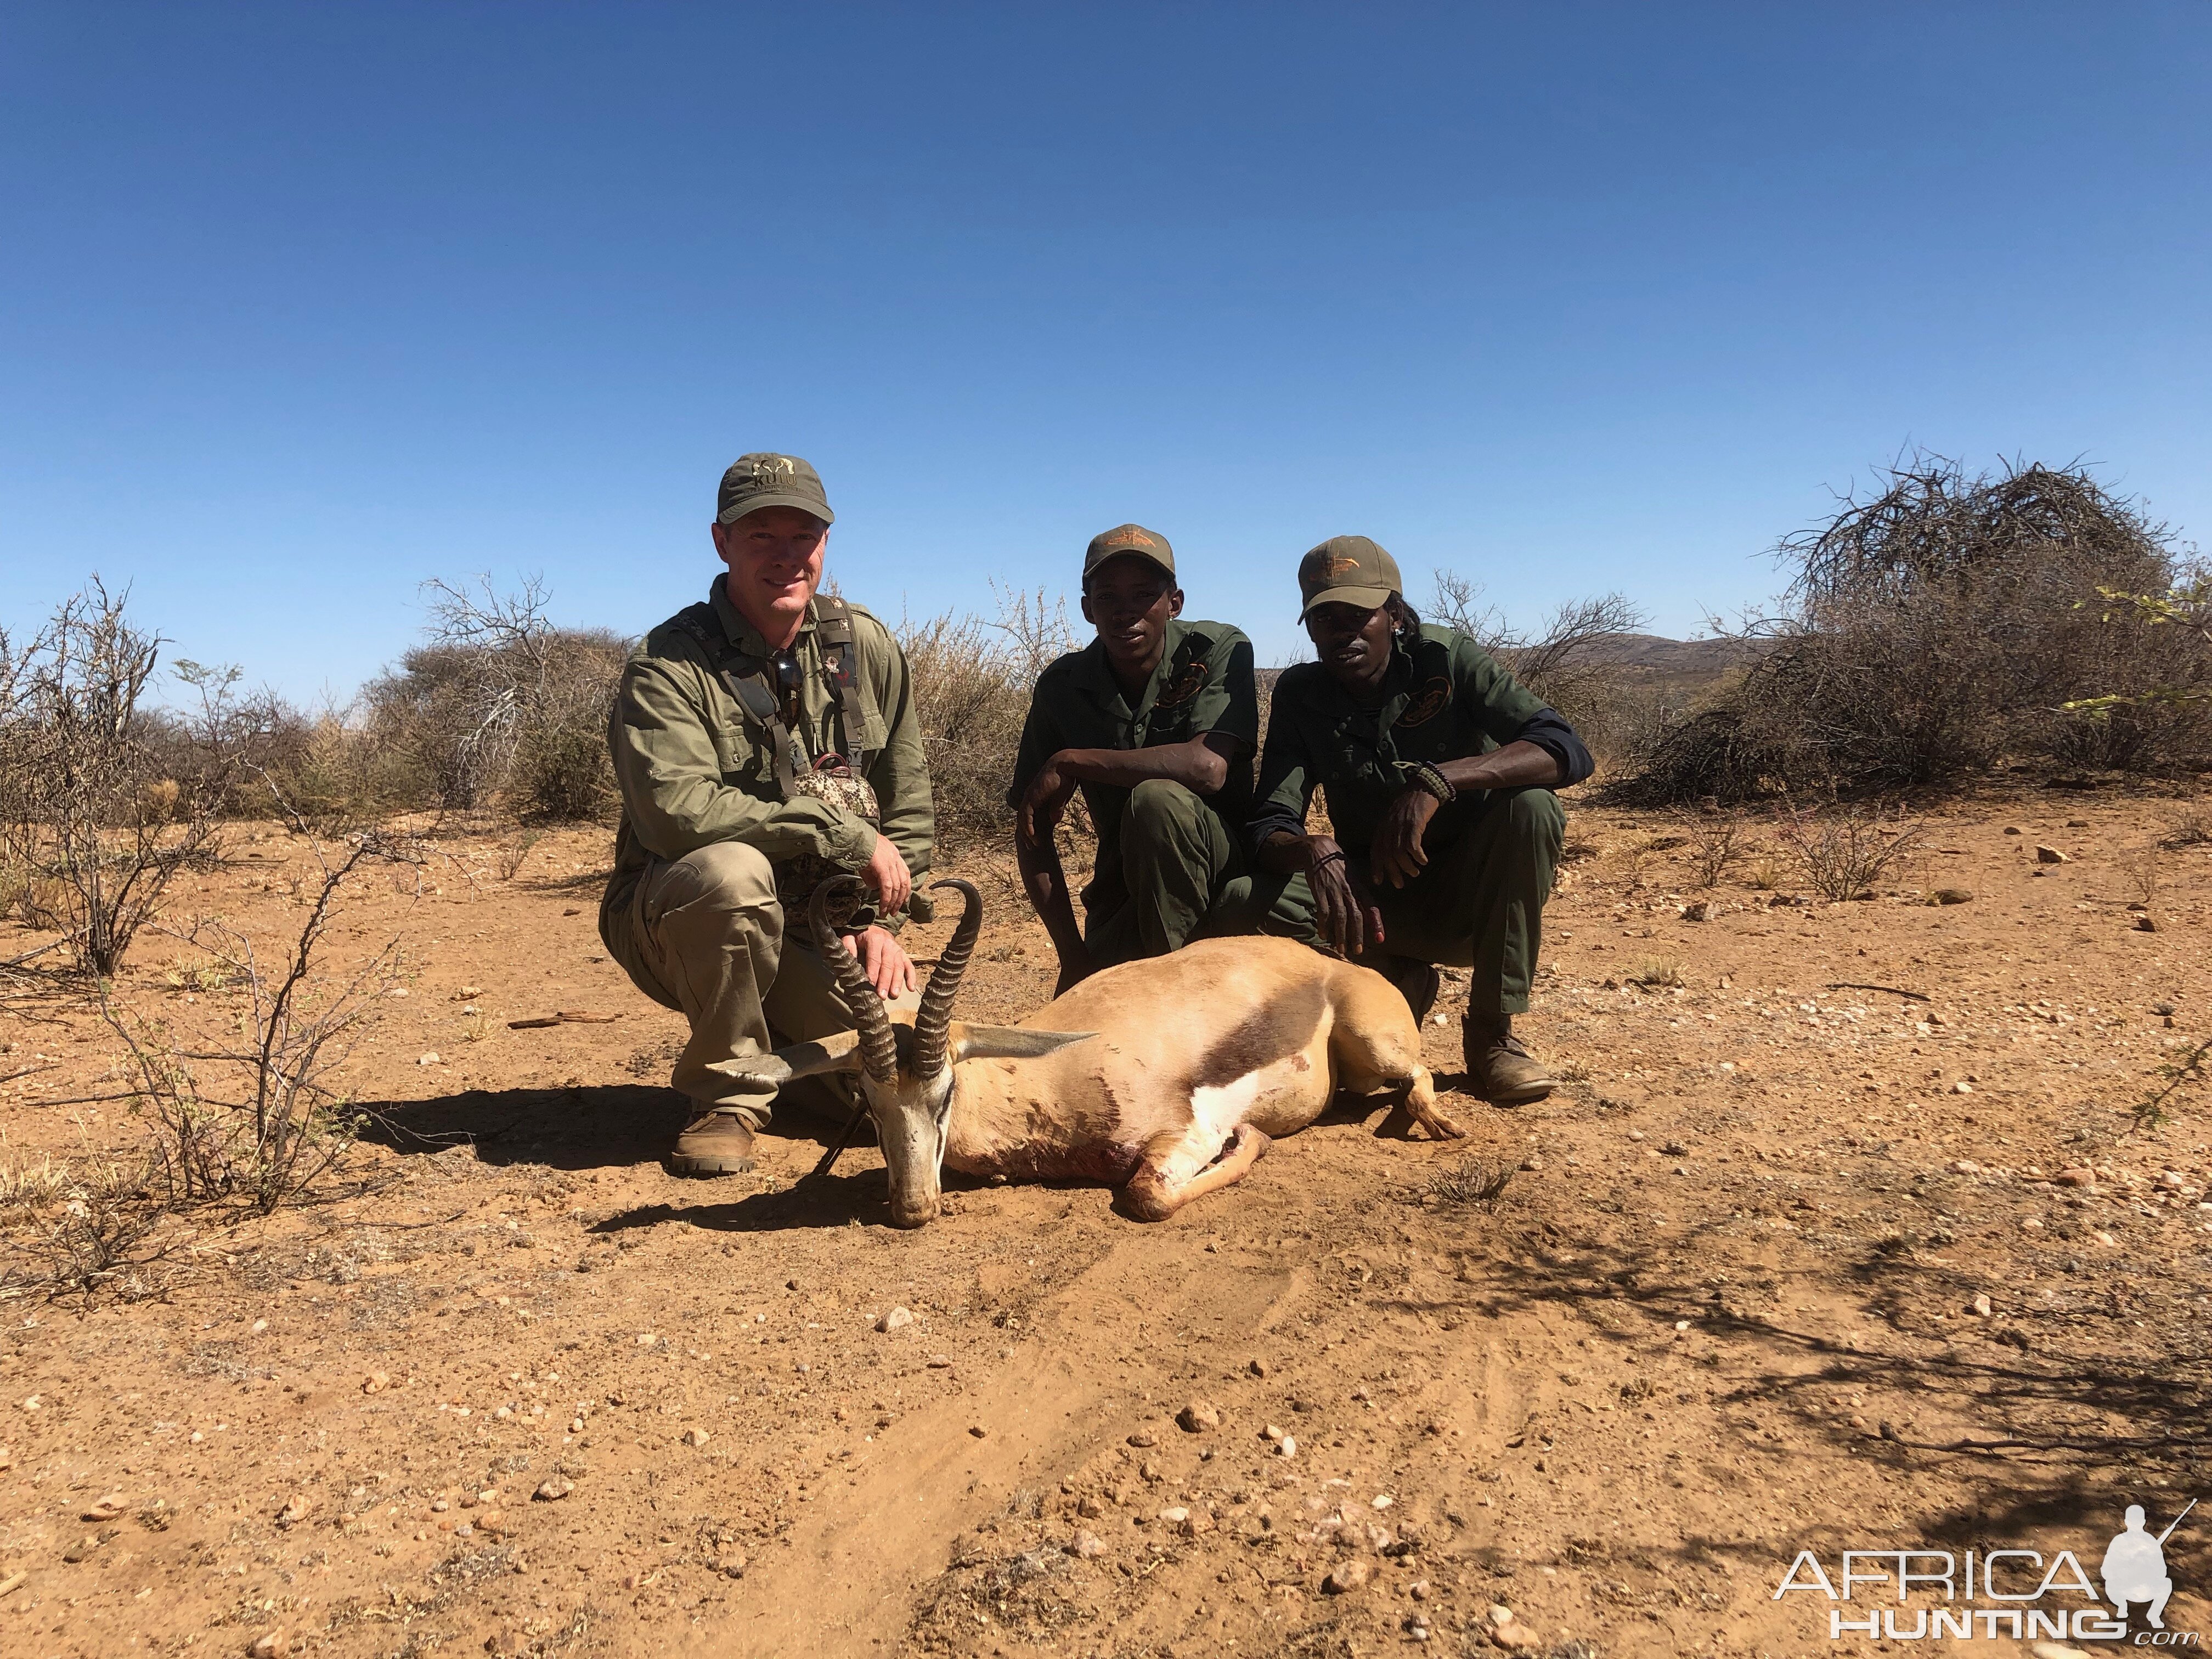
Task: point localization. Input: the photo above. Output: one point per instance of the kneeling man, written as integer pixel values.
(1438, 767)
(763, 740)
(1155, 720)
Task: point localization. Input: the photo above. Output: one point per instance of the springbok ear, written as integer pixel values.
(1009, 1042)
(839, 1052)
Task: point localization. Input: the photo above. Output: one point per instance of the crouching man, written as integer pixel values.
(763, 740)
(1438, 767)
(1155, 720)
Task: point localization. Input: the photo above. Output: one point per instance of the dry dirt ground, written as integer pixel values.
(1787, 1266)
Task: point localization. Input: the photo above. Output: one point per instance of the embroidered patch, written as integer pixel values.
(1427, 703)
(1187, 684)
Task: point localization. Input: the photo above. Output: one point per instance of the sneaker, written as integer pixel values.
(719, 1143)
(1417, 981)
(1501, 1070)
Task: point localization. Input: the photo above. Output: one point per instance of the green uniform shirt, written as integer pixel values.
(1204, 683)
(695, 768)
(1446, 698)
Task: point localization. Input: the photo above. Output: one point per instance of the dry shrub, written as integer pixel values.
(972, 681)
(1844, 850)
(1714, 837)
(103, 800)
(1936, 629)
(498, 707)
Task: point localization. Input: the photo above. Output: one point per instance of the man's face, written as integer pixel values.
(1352, 645)
(774, 556)
(1129, 600)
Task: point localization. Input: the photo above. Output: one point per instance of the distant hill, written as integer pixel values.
(1684, 659)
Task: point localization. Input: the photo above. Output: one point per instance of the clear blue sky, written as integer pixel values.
(301, 304)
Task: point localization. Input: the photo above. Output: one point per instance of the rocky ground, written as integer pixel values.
(1852, 1230)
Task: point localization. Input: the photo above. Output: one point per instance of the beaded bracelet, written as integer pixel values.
(1429, 780)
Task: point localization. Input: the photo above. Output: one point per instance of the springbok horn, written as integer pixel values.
(932, 1021)
(879, 1048)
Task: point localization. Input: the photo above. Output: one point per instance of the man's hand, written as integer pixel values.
(1398, 856)
(1043, 803)
(887, 874)
(885, 961)
(1348, 918)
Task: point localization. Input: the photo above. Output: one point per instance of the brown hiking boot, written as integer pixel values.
(1500, 1070)
(719, 1143)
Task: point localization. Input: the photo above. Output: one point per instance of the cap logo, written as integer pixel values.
(1128, 539)
(772, 470)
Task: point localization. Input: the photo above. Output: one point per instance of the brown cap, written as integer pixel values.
(766, 480)
(1347, 570)
(1127, 539)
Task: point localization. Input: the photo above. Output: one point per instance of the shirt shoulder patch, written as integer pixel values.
(1189, 680)
(1429, 700)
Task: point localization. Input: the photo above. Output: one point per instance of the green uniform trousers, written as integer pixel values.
(704, 934)
(1178, 860)
(1477, 903)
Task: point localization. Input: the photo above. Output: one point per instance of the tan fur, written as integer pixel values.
(1241, 1040)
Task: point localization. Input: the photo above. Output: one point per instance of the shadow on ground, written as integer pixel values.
(563, 1128)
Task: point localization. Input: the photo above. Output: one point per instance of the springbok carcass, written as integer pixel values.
(1166, 1078)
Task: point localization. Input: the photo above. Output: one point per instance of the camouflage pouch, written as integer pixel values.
(831, 779)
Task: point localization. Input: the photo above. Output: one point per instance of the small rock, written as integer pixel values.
(1198, 1416)
(1257, 1367)
(553, 1491)
(491, 1521)
(896, 1320)
(1144, 1438)
(1418, 1590)
(1979, 1307)
(270, 1644)
(1270, 1432)
(1701, 911)
(295, 1510)
(1086, 1546)
(1965, 1165)
(731, 1565)
(2146, 925)
(1514, 1638)
(1176, 1516)
(939, 1362)
(1346, 1576)
(979, 1431)
(1953, 896)
(696, 1438)
(1150, 1471)
(2050, 855)
(1962, 1087)
(2080, 1175)
(375, 1383)
(2013, 830)
(430, 1058)
(1287, 1448)
(1089, 1507)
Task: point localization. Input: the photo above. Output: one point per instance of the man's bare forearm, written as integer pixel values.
(1200, 766)
(1047, 886)
(1516, 766)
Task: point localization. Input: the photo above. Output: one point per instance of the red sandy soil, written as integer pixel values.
(1728, 1308)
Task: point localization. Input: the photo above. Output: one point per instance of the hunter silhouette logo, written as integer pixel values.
(2135, 1567)
(1129, 538)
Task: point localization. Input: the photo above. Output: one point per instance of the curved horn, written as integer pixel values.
(879, 1048)
(933, 1019)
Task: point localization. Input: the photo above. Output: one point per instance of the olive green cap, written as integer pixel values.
(1347, 570)
(766, 480)
(1127, 539)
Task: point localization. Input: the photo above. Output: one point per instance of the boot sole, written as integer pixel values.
(707, 1163)
(1528, 1097)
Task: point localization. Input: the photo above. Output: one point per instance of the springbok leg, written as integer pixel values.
(1173, 1171)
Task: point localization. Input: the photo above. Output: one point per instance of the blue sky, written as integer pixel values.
(301, 305)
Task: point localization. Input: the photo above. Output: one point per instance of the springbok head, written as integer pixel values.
(906, 1076)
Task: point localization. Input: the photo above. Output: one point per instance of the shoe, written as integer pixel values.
(1417, 981)
(1501, 1070)
(719, 1143)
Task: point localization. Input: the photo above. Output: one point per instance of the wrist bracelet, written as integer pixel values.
(1428, 779)
(1338, 856)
